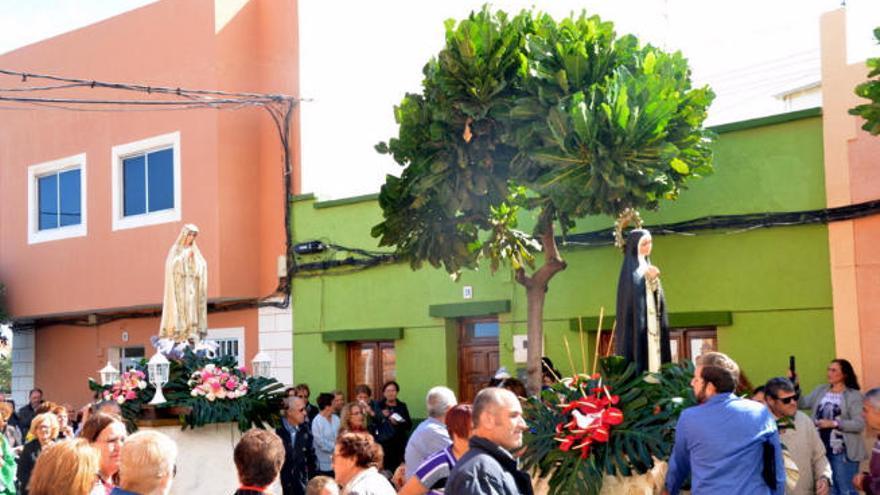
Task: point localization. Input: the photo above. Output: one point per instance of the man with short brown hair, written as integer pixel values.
(726, 444)
(258, 457)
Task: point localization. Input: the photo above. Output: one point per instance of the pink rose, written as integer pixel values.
(130, 395)
(230, 384)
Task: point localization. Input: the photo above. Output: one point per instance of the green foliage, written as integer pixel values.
(260, 407)
(650, 411)
(527, 113)
(870, 89)
(6, 374)
(132, 408)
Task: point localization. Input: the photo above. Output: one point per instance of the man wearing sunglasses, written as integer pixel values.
(799, 435)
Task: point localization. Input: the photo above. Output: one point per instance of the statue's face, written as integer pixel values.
(645, 245)
(189, 239)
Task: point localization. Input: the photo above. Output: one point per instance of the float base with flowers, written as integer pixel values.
(208, 403)
(200, 390)
(614, 428)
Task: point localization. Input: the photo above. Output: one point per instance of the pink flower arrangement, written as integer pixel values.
(127, 387)
(213, 383)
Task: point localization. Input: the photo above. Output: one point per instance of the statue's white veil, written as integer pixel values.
(175, 325)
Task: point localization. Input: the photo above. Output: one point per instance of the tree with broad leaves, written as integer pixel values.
(870, 89)
(563, 119)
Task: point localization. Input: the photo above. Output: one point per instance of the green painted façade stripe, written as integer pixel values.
(346, 201)
(393, 333)
(769, 120)
(474, 308)
(676, 320)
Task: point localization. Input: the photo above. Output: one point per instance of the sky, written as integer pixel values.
(358, 59)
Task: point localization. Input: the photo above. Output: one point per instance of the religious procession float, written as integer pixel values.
(202, 400)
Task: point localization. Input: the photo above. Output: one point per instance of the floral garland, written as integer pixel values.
(127, 388)
(589, 418)
(213, 382)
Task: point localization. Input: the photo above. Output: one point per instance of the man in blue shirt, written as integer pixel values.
(722, 443)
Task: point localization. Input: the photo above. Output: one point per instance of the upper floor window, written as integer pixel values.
(146, 182)
(57, 199)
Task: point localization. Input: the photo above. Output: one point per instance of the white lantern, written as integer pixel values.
(109, 374)
(262, 364)
(158, 368)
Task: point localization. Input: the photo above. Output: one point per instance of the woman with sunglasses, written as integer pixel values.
(837, 412)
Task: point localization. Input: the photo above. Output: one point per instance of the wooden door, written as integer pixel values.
(370, 363)
(478, 355)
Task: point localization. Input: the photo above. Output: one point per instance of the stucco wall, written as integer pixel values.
(775, 282)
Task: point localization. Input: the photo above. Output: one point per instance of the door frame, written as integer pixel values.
(463, 341)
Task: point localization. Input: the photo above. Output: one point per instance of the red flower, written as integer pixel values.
(588, 419)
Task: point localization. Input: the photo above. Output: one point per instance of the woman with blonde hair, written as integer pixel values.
(44, 429)
(7, 457)
(65, 467)
(354, 418)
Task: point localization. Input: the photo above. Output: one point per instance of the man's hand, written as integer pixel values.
(857, 481)
(397, 478)
(826, 423)
(822, 486)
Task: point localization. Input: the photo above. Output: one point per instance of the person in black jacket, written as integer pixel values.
(300, 462)
(302, 390)
(392, 425)
(488, 466)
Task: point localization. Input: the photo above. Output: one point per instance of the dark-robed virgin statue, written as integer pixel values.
(642, 331)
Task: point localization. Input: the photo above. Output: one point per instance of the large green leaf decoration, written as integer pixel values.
(650, 410)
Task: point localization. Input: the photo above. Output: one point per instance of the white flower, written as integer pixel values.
(194, 393)
(142, 385)
(120, 399)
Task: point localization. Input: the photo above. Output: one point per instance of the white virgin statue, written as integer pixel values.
(185, 305)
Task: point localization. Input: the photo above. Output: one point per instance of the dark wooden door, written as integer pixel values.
(370, 363)
(478, 355)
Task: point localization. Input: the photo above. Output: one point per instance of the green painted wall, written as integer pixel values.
(775, 282)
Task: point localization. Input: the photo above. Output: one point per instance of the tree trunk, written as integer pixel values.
(536, 286)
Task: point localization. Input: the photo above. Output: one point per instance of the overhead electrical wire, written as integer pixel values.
(709, 225)
(279, 107)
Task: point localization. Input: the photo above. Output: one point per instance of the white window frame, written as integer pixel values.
(236, 333)
(35, 235)
(123, 151)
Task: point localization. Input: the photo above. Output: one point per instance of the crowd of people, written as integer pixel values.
(726, 444)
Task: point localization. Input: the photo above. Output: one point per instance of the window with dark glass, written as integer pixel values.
(59, 203)
(130, 357)
(371, 363)
(148, 182)
(684, 343)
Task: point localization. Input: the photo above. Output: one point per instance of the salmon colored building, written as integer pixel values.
(852, 176)
(93, 200)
